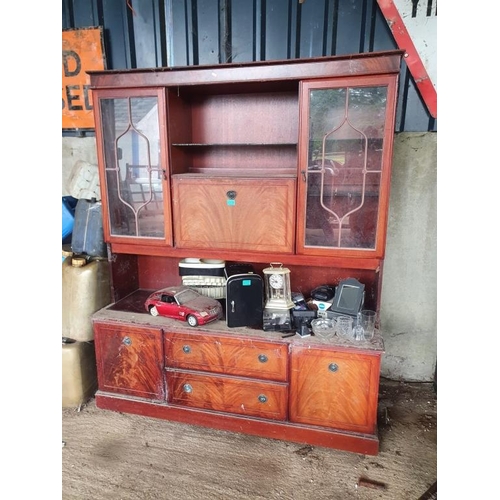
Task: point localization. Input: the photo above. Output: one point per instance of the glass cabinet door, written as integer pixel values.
(135, 172)
(347, 142)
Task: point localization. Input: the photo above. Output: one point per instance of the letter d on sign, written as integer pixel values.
(67, 55)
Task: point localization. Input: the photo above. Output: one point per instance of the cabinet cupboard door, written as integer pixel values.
(252, 214)
(335, 389)
(130, 360)
(133, 165)
(345, 157)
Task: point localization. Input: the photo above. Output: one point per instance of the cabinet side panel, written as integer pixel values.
(179, 131)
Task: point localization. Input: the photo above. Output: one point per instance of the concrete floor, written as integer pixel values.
(110, 455)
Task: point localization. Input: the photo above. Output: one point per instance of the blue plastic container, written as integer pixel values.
(68, 216)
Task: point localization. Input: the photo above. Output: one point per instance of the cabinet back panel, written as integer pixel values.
(245, 118)
(158, 272)
(244, 160)
(125, 276)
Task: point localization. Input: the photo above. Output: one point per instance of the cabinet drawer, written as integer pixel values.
(233, 356)
(253, 214)
(335, 389)
(228, 394)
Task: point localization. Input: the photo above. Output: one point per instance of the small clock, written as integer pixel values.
(277, 285)
(276, 280)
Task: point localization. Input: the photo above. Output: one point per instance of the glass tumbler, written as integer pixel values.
(344, 327)
(358, 332)
(368, 323)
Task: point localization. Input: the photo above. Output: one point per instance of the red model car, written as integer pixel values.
(184, 303)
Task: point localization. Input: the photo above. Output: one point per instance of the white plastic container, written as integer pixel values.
(79, 373)
(85, 290)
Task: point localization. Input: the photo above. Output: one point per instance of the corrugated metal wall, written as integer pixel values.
(153, 33)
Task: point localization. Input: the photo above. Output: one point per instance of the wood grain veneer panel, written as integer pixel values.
(344, 397)
(261, 72)
(261, 219)
(228, 394)
(246, 118)
(238, 356)
(129, 360)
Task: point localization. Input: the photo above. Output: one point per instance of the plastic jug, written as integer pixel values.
(79, 373)
(85, 289)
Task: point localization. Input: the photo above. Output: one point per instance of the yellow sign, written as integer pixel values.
(82, 50)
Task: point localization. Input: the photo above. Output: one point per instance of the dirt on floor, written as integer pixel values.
(110, 455)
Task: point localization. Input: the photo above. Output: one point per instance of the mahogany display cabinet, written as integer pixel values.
(277, 161)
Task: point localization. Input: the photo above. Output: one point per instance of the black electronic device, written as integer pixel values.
(244, 297)
(303, 318)
(299, 302)
(304, 331)
(238, 268)
(323, 293)
(348, 299)
(277, 320)
(302, 321)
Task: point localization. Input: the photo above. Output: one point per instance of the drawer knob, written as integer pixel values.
(187, 388)
(127, 341)
(262, 398)
(186, 349)
(333, 367)
(262, 358)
